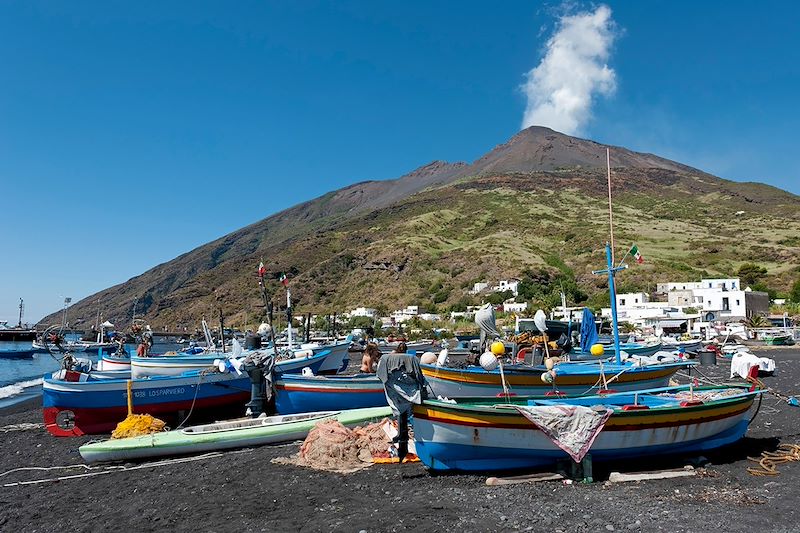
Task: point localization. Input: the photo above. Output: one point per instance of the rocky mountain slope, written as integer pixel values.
(534, 206)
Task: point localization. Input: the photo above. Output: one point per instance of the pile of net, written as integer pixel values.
(136, 425)
(332, 447)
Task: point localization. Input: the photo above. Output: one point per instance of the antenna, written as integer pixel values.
(67, 301)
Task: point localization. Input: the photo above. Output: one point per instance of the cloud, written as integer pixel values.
(573, 70)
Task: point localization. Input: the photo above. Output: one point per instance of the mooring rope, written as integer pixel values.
(108, 469)
(25, 426)
(769, 461)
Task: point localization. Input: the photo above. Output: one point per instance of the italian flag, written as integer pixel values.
(284, 279)
(636, 255)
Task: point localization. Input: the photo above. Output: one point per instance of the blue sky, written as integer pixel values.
(133, 132)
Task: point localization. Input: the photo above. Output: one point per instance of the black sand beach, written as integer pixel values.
(245, 492)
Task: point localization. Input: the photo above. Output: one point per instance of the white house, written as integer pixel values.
(515, 307)
(363, 311)
(632, 299)
(507, 285)
(718, 299)
(478, 287)
(403, 315)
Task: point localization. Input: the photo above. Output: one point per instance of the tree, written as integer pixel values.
(794, 294)
(361, 322)
(762, 287)
(750, 273)
(497, 298)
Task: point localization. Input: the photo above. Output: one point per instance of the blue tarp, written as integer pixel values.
(588, 332)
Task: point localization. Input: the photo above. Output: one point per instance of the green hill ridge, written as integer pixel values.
(534, 207)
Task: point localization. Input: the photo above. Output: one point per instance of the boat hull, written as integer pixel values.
(608, 351)
(449, 438)
(301, 394)
(97, 405)
(583, 379)
(109, 362)
(228, 436)
(337, 361)
(175, 365)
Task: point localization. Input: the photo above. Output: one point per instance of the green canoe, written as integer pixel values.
(238, 433)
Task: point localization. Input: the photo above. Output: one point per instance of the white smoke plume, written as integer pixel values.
(573, 70)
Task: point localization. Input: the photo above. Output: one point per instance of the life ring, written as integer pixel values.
(522, 354)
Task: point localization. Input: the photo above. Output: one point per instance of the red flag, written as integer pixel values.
(261, 269)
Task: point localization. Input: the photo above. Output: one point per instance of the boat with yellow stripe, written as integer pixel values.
(569, 378)
(499, 435)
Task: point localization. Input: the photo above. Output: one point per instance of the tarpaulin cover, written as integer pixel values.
(572, 428)
(588, 331)
(485, 320)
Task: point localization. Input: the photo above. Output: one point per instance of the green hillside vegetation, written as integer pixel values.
(545, 227)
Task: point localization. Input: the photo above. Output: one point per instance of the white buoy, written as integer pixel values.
(488, 361)
(442, 359)
(428, 358)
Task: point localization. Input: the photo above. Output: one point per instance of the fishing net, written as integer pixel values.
(333, 447)
(136, 425)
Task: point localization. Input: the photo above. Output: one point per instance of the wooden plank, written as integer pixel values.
(686, 471)
(527, 478)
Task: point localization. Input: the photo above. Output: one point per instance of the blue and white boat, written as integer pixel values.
(173, 365)
(296, 393)
(492, 435)
(77, 403)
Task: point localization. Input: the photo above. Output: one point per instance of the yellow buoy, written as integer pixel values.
(597, 349)
(498, 348)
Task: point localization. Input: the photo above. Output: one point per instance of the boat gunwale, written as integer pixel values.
(464, 405)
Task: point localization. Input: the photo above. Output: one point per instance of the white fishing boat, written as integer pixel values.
(238, 433)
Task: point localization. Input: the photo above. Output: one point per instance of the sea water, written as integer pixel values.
(21, 379)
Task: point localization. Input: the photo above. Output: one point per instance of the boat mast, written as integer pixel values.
(610, 213)
(610, 269)
(289, 314)
(21, 308)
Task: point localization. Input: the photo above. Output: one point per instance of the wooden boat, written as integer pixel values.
(173, 365)
(76, 403)
(570, 378)
(691, 345)
(781, 339)
(497, 436)
(226, 435)
(296, 393)
(631, 348)
(113, 361)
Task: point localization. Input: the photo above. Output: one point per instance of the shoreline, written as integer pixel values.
(244, 491)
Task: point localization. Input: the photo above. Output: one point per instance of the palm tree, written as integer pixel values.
(756, 321)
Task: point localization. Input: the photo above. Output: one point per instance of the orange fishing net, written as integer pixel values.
(333, 447)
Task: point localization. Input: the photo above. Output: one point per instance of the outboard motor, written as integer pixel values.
(404, 386)
(252, 342)
(259, 367)
(565, 343)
